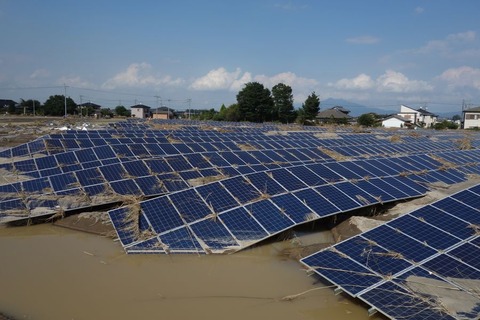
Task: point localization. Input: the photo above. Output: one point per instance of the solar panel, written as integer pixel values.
(426, 257)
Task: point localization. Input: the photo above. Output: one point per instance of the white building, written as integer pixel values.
(140, 111)
(420, 117)
(471, 118)
(395, 121)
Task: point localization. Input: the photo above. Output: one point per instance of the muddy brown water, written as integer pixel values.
(48, 272)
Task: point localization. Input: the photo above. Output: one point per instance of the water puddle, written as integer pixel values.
(48, 272)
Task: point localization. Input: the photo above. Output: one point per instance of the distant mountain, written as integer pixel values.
(355, 108)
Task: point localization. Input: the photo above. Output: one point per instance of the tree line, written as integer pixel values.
(58, 105)
(255, 103)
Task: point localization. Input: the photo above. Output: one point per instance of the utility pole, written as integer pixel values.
(65, 98)
(33, 101)
(158, 97)
(189, 107)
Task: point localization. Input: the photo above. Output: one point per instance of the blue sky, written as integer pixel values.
(377, 53)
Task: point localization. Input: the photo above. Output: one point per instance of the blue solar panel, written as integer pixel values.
(444, 221)
(198, 161)
(89, 177)
(424, 232)
(397, 242)
(294, 208)
(469, 198)
(265, 184)
(190, 205)
(356, 193)
(181, 240)
(136, 169)
(126, 187)
(40, 185)
(172, 182)
(287, 180)
(126, 224)
(25, 165)
(64, 181)
(307, 176)
(316, 202)
(325, 173)
(179, 163)
(399, 303)
(241, 189)
(337, 197)
(161, 214)
(214, 235)
(150, 185)
(46, 162)
(372, 256)
(341, 270)
(85, 155)
(269, 216)
(217, 197)
(158, 166)
(459, 210)
(242, 225)
(467, 253)
(448, 267)
(113, 172)
(391, 190)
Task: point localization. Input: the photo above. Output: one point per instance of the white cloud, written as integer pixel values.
(446, 45)
(40, 73)
(419, 10)
(392, 81)
(288, 78)
(74, 81)
(220, 79)
(462, 77)
(363, 40)
(139, 75)
(362, 81)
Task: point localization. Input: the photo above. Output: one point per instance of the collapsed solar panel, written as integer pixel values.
(265, 180)
(422, 265)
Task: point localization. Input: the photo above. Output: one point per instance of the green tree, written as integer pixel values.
(106, 112)
(367, 120)
(255, 103)
(232, 113)
(283, 103)
(30, 106)
(311, 106)
(55, 106)
(121, 111)
(456, 117)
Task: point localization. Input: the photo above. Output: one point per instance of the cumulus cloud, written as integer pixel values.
(39, 73)
(418, 10)
(363, 40)
(74, 81)
(362, 81)
(139, 75)
(221, 79)
(446, 45)
(392, 81)
(462, 77)
(288, 78)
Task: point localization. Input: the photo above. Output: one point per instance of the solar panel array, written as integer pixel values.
(422, 265)
(239, 182)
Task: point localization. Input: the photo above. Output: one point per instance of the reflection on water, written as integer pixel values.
(52, 273)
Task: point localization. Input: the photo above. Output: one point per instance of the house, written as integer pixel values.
(163, 113)
(6, 103)
(336, 114)
(140, 111)
(420, 117)
(471, 118)
(84, 109)
(395, 121)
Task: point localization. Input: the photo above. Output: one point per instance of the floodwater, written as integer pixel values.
(48, 272)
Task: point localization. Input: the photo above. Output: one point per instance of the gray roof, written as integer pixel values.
(332, 113)
(476, 109)
(396, 116)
